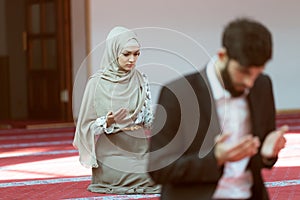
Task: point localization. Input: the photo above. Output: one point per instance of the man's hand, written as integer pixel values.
(230, 152)
(116, 116)
(274, 142)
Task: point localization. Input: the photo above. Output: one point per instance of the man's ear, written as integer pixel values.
(222, 58)
(222, 54)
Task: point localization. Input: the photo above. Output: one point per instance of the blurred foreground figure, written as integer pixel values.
(216, 130)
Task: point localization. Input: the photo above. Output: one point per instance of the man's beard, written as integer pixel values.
(228, 84)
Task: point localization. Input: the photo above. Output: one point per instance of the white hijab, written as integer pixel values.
(109, 90)
(118, 88)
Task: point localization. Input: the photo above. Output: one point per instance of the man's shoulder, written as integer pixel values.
(263, 79)
(187, 86)
(262, 85)
(191, 78)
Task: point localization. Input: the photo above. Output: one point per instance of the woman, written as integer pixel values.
(114, 115)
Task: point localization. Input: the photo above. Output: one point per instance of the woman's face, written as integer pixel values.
(128, 57)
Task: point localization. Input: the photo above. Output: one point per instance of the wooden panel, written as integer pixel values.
(44, 98)
(49, 59)
(4, 88)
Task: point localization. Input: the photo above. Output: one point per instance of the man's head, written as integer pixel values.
(247, 46)
(248, 42)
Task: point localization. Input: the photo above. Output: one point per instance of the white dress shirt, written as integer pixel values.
(234, 118)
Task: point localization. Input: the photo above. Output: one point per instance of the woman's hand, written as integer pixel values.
(116, 117)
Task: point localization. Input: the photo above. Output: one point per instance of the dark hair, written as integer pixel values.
(248, 42)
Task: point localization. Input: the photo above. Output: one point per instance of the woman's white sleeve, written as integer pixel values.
(100, 126)
(148, 117)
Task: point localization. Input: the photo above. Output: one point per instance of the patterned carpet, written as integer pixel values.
(42, 164)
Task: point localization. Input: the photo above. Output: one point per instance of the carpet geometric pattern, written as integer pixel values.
(42, 164)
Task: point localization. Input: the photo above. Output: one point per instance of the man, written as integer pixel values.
(216, 130)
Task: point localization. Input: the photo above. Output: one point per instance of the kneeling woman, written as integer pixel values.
(114, 114)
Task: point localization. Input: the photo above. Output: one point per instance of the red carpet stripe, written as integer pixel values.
(35, 131)
(39, 136)
(122, 197)
(43, 164)
(88, 178)
(35, 144)
(44, 182)
(38, 153)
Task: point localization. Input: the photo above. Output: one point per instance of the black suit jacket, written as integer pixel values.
(182, 146)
